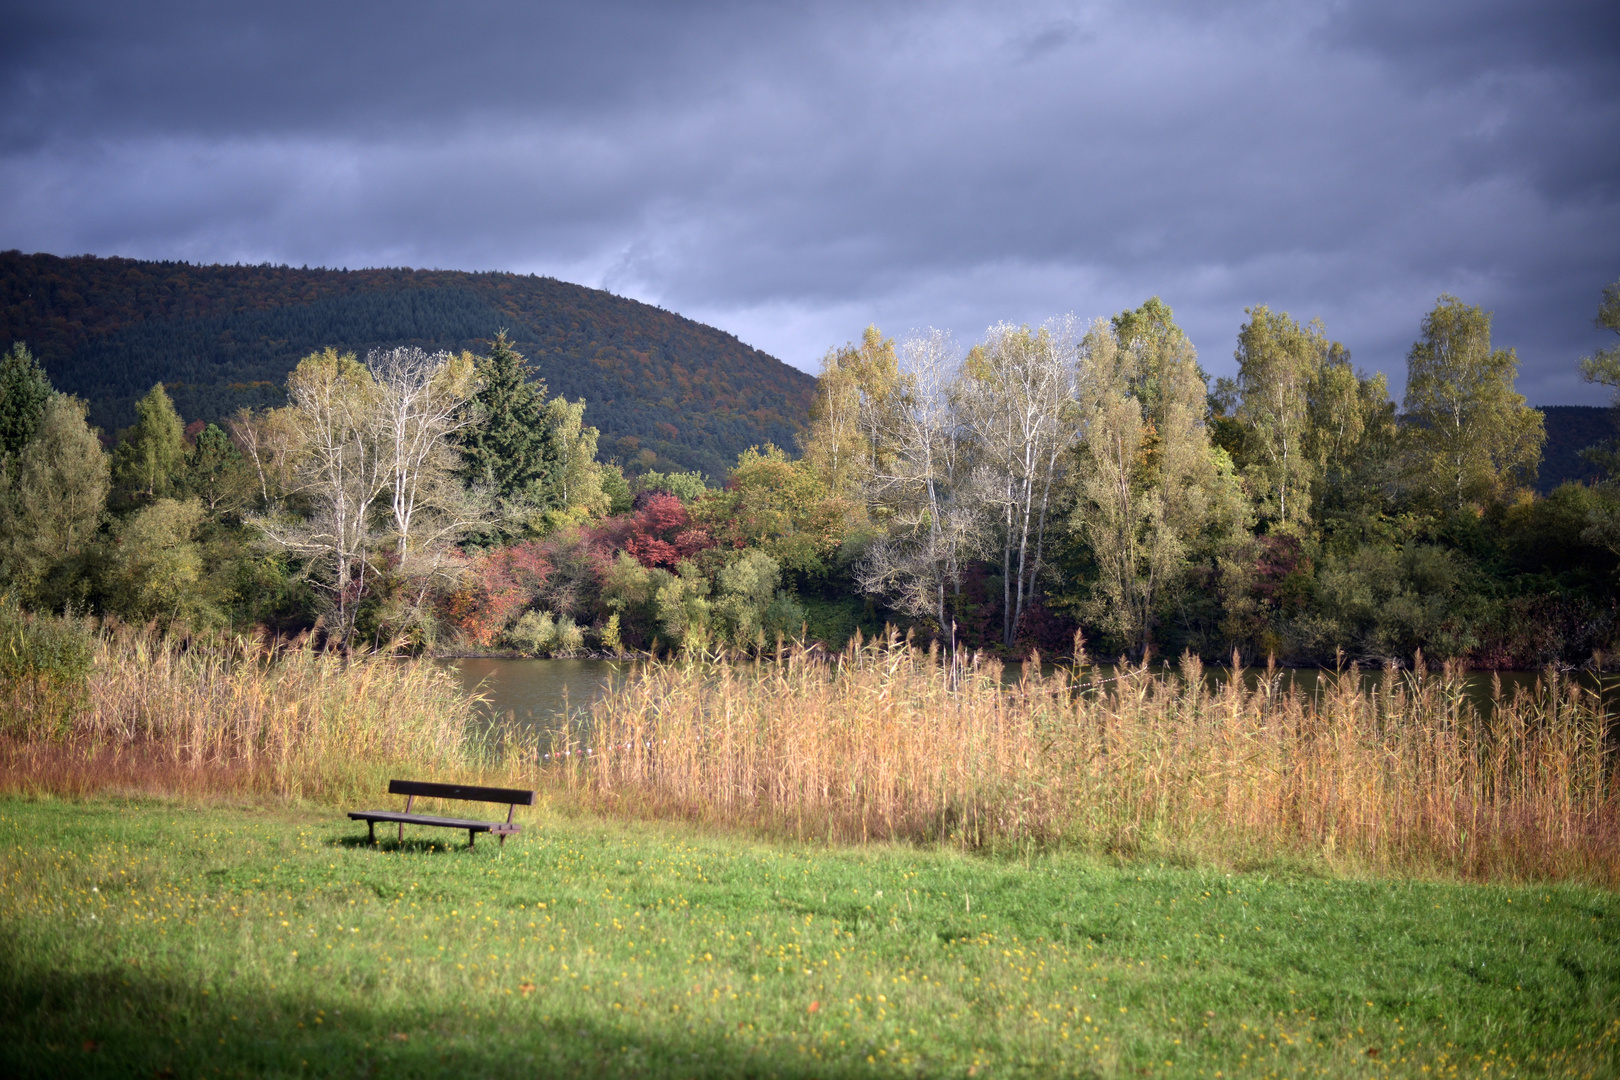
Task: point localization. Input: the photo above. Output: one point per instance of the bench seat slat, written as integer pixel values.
(425, 790)
(428, 819)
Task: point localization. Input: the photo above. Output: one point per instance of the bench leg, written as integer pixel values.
(471, 833)
(503, 840)
(371, 830)
(402, 832)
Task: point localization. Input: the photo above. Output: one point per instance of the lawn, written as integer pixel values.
(152, 938)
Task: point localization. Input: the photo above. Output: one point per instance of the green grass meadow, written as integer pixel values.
(156, 939)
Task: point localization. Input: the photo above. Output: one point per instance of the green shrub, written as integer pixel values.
(540, 633)
(45, 663)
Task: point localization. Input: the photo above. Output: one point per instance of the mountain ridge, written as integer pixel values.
(664, 390)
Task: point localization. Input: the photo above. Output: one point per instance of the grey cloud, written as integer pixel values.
(791, 172)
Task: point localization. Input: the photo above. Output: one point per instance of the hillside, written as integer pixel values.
(1570, 430)
(663, 389)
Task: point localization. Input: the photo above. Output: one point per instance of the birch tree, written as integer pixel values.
(1470, 437)
(420, 407)
(360, 470)
(338, 465)
(1278, 361)
(844, 442)
(920, 484)
(1016, 393)
(269, 442)
(574, 491)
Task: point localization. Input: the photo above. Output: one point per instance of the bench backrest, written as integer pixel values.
(425, 790)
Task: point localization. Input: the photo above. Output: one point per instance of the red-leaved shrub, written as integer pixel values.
(496, 589)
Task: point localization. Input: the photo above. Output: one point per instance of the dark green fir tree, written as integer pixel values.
(509, 450)
(24, 390)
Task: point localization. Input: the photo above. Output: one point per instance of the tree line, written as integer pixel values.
(1070, 476)
(668, 393)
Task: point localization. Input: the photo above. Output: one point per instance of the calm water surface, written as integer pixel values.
(532, 694)
(537, 693)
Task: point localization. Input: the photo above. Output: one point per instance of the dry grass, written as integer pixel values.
(883, 742)
(235, 716)
(887, 742)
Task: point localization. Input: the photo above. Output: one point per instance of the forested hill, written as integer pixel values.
(664, 390)
(1571, 429)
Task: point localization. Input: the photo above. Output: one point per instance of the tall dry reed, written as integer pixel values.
(212, 715)
(886, 741)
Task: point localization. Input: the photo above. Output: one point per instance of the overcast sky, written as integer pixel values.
(791, 173)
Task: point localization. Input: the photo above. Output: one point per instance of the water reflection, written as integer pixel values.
(537, 694)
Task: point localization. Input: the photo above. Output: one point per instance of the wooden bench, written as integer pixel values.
(412, 789)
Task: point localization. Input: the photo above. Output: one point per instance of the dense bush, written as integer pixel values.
(45, 664)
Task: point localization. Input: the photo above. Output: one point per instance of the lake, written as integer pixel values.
(533, 694)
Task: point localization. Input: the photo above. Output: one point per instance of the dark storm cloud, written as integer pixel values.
(791, 173)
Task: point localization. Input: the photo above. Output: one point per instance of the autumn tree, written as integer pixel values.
(339, 468)
(269, 442)
(151, 456)
(779, 506)
(843, 442)
(1470, 438)
(1147, 483)
(51, 503)
(1015, 401)
(922, 488)
(1278, 364)
(367, 455)
(420, 410)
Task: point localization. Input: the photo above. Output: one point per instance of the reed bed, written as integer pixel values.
(235, 715)
(886, 741)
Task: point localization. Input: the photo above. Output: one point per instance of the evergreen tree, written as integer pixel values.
(509, 450)
(24, 390)
(217, 474)
(151, 457)
(1470, 437)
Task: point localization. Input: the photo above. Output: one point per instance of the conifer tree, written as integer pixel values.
(509, 450)
(216, 472)
(24, 390)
